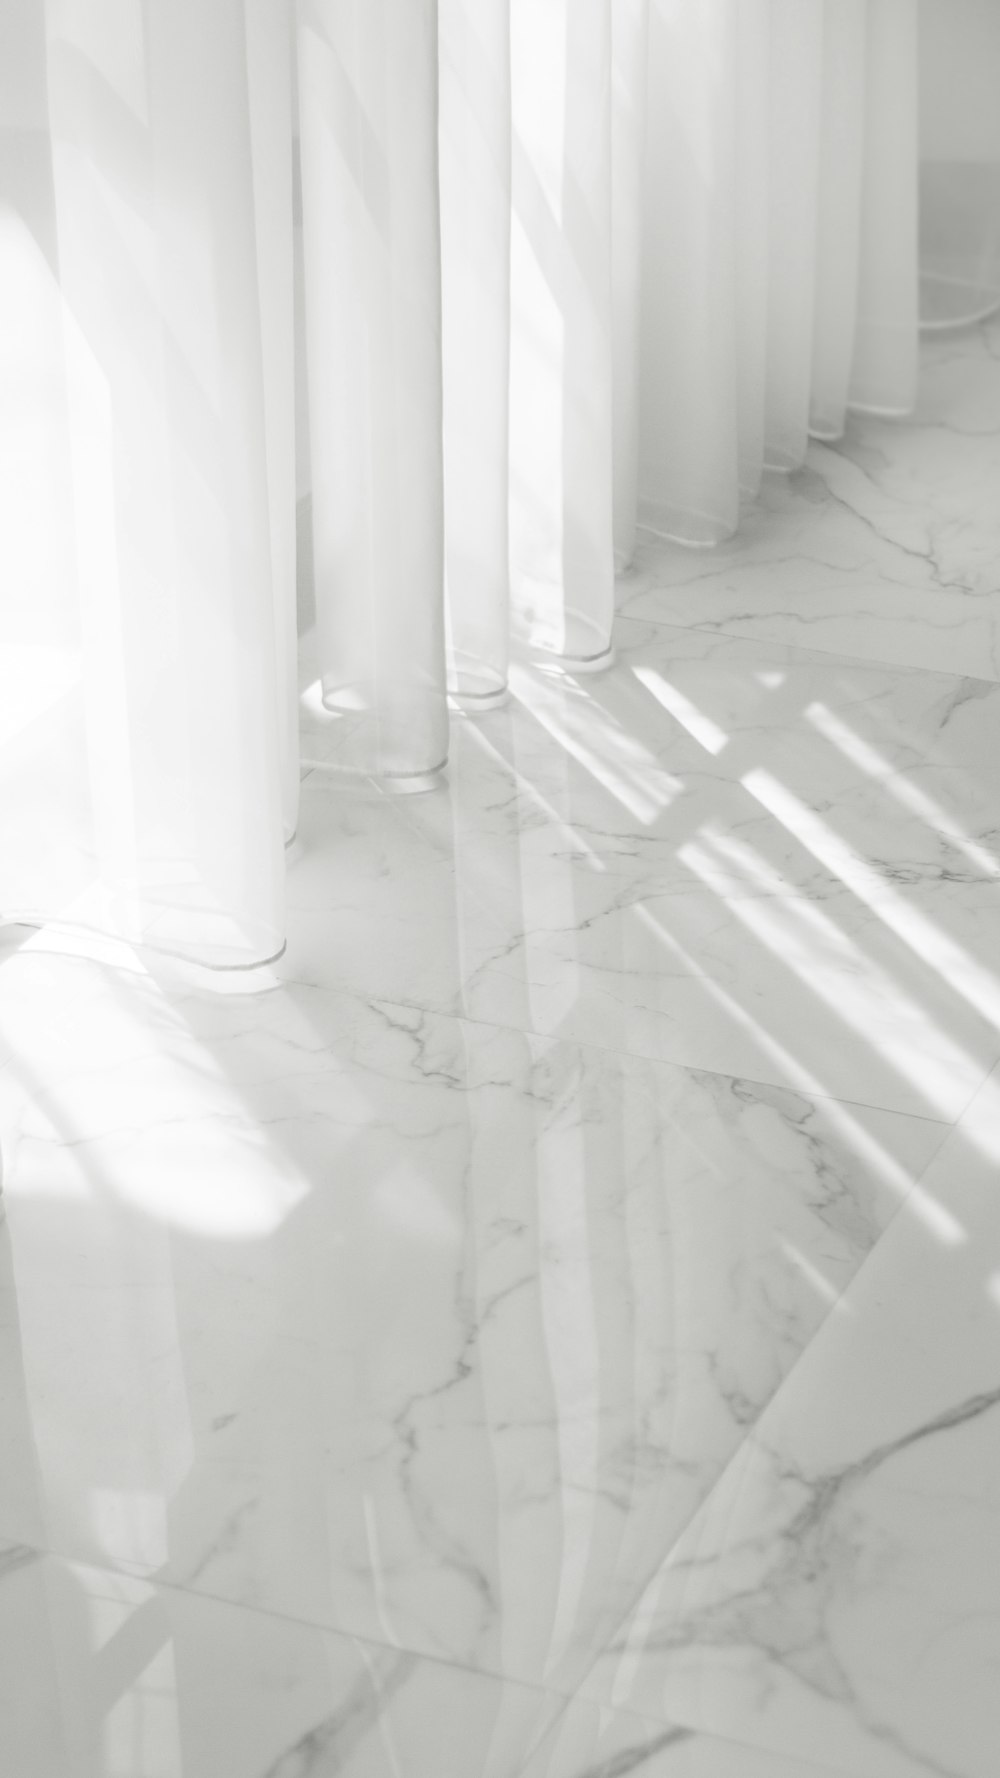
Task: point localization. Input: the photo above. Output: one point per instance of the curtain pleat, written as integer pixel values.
(884, 374)
(838, 215)
(142, 781)
(629, 49)
(368, 129)
(474, 136)
(691, 308)
(269, 87)
(751, 146)
(561, 518)
(780, 245)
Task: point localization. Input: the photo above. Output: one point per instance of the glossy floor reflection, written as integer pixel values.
(839, 1587)
(524, 1332)
(399, 1323)
(107, 1674)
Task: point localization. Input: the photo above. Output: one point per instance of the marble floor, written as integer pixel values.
(548, 1326)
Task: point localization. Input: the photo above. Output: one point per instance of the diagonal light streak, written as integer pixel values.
(976, 984)
(869, 760)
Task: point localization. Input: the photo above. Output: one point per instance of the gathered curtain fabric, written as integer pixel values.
(566, 268)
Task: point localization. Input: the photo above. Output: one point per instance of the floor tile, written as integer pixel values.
(106, 1676)
(427, 1330)
(840, 1588)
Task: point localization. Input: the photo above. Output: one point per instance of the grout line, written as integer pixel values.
(158, 1582)
(594, 1045)
(720, 633)
(494, 1676)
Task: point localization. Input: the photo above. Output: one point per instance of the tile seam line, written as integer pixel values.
(342, 988)
(607, 1049)
(871, 663)
(658, 1723)
(565, 1699)
(47, 1552)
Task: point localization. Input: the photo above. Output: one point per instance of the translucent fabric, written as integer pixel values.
(780, 247)
(269, 85)
(629, 50)
(474, 136)
(884, 372)
(562, 339)
(368, 125)
(149, 775)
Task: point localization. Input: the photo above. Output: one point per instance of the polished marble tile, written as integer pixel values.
(588, 1741)
(886, 546)
(106, 1676)
(432, 1331)
(741, 857)
(840, 1588)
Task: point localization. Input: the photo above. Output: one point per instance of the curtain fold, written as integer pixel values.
(561, 517)
(474, 133)
(629, 50)
(269, 87)
(142, 777)
(795, 110)
(840, 192)
(884, 372)
(571, 268)
(368, 131)
(780, 245)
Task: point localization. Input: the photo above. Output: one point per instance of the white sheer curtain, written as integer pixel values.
(779, 278)
(149, 773)
(570, 266)
(367, 106)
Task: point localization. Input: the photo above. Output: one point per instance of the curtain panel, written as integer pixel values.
(567, 268)
(149, 770)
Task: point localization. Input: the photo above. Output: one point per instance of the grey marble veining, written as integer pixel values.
(107, 1674)
(431, 1331)
(839, 1585)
